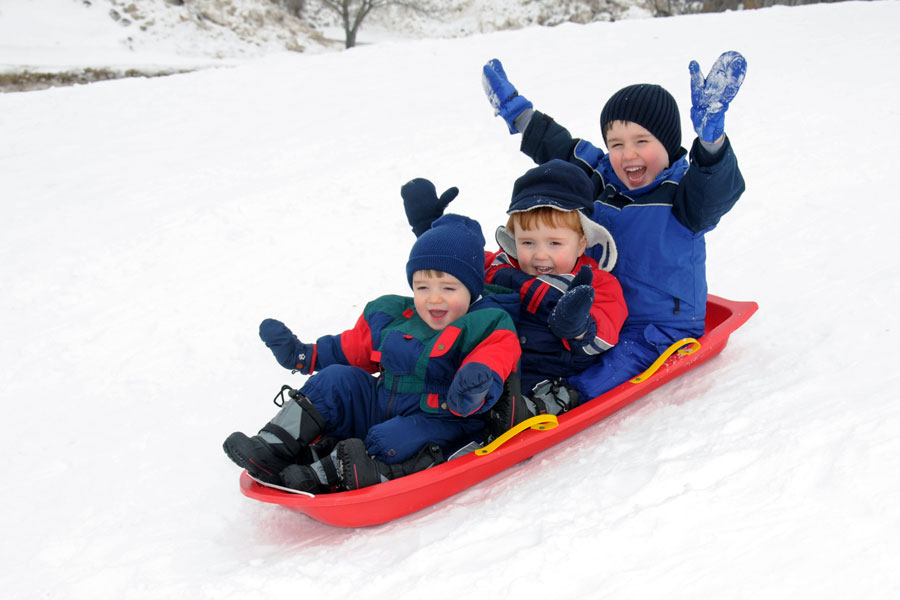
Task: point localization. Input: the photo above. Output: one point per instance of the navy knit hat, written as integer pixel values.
(556, 183)
(563, 186)
(453, 245)
(651, 107)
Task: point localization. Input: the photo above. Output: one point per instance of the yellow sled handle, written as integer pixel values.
(669, 352)
(540, 422)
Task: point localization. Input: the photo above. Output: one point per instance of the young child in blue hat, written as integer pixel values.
(656, 200)
(441, 366)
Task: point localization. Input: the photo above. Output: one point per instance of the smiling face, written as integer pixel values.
(551, 243)
(636, 156)
(439, 298)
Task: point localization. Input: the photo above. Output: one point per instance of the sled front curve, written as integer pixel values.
(397, 498)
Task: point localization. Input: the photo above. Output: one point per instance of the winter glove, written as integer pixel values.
(711, 95)
(290, 352)
(502, 95)
(470, 388)
(572, 314)
(422, 205)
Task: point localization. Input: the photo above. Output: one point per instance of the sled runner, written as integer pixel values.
(399, 497)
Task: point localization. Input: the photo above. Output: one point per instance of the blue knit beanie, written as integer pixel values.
(453, 245)
(651, 107)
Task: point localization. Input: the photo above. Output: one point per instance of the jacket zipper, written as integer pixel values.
(387, 412)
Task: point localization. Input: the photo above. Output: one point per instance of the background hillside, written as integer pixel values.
(181, 35)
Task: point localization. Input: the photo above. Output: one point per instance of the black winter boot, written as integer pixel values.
(317, 478)
(357, 469)
(510, 410)
(282, 442)
(552, 398)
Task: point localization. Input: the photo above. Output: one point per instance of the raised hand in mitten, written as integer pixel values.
(711, 95)
(290, 352)
(472, 386)
(422, 204)
(503, 95)
(571, 317)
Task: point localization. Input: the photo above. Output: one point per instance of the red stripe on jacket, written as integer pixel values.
(358, 347)
(500, 351)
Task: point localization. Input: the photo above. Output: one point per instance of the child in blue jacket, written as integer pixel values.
(657, 204)
(441, 361)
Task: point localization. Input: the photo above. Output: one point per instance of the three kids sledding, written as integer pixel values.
(604, 258)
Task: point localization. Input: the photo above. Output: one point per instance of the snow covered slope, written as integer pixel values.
(148, 225)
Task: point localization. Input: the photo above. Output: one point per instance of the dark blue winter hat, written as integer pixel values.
(651, 107)
(558, 184)
(563, 186)
(453, 245)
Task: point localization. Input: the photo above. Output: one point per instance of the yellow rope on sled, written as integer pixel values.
(662, 358)
(539, 422)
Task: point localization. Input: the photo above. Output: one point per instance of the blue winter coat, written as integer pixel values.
(659, 229)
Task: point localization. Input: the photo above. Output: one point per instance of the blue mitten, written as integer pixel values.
(584, 277)
(711, 95)
(470, 388)
(502, 95)
(290, 352)
(422, 205)
(540, 299)
(572, 314)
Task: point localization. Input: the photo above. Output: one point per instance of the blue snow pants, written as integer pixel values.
(638, 347)
(354, 406)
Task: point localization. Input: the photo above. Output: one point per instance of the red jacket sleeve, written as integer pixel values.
(500, 351)
(608, 311)
(357, 346)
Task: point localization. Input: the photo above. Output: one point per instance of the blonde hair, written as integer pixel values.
(545, 215)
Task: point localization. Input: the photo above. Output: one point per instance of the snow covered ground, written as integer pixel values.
(148, 225)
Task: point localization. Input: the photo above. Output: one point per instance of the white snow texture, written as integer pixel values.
(148, 225)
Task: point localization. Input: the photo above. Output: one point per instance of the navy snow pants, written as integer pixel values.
(354, 406)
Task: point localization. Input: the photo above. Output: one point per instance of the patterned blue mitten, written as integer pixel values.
(290, 352)
(502, 95)
(711, 95)
(422, 205)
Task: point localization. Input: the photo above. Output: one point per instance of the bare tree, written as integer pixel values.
(353, 12)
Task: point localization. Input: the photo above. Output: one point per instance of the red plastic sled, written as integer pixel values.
(393, 499)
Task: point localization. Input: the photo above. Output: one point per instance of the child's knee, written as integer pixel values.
(399, 438)
(385, 442)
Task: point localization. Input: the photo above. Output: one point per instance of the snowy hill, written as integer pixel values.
(56, 42)
(148, 225)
